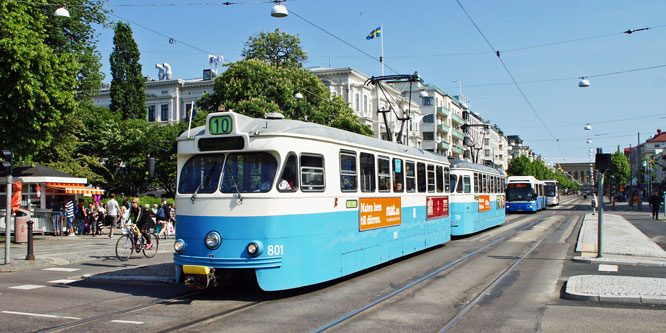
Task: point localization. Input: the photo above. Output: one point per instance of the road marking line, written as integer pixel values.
(39, 315)
(61, 281)
(607, 268)
(27, 287)
(61, 269)
(127, 322)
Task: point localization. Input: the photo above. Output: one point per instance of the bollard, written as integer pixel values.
(31, 255)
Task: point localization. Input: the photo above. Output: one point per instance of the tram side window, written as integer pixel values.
(453, 179)
(468, 186)
(348, 172)
(201, 173)
(476, 182)
(492, 184)
(431, 178)
(439, 172)
(484, 183)
(411, 176)
(447, 181)
(398, 176)
(289, 178)
(421, 177)
(312, 173)
(459, 189)
(367, 172)
(384, 174)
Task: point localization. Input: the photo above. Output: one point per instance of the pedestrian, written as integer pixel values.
(101, 217)
(655, 202)
(55, 217)
(80, 217)
(124, 213)
(112, 211)
(69, 206)
(91, 219)
(594, 203)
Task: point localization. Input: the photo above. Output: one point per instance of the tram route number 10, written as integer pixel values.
(220, 125)
(275, 250)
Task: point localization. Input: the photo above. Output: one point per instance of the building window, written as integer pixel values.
(427, 101)
(365, 104)
(151, 113)
(429, 119)
(428, 136)
(358, 102)
(164, 112)
(487, 141)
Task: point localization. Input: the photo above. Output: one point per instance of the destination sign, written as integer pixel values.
(218, 125)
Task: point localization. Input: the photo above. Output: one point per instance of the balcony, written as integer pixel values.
(457, 118)
(458, 134)
(442, 145)
(443, 128)
(442, 111)
(457, 150)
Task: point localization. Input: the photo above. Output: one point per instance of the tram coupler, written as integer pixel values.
(202, 279)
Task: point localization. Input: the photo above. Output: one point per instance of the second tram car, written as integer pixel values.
(477, 200)
(296, 203)
(552, 191)
(524, 194)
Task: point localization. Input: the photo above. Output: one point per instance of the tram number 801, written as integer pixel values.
(275, 250)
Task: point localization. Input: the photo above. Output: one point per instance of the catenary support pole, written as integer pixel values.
(8, 218)
(601, 214)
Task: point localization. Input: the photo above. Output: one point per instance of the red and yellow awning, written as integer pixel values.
(75, 188)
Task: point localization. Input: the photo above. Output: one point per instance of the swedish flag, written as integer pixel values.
(374, 33)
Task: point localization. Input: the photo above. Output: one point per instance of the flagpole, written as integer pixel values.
(381, 58)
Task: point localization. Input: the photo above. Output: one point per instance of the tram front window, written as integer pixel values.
(248, 172)
(519, 192)
(201, 174)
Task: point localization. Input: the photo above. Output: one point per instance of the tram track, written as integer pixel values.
(522, 226)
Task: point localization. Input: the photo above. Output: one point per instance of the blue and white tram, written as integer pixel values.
(297, 203)
(525, 194)
(477, 200)
(552, 192)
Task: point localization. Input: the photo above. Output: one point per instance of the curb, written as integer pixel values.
(620, 261)
(610, 294)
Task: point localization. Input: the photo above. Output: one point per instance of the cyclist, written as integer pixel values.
(143, 219)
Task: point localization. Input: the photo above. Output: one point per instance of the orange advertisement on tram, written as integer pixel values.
(379, 213)
(484, 203)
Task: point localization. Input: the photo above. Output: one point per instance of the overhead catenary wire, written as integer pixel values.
(527, 100)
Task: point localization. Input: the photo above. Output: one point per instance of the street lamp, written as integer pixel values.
(63, 12)
(279, 10)
(584, 82)
(588, 127)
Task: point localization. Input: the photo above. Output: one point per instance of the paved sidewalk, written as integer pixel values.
(53, 251)
(622, 244)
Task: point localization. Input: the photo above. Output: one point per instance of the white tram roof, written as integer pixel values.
(460, 164)
(255, 127)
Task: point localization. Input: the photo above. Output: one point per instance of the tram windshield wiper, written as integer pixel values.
(205, 180)
(233, 179)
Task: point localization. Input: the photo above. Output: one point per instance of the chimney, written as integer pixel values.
(658, 131)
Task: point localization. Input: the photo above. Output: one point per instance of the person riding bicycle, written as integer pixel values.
(143, 219)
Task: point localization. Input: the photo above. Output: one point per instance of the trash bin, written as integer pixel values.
(21, 225)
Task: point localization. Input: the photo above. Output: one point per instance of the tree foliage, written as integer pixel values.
(44, 61)
(254, 88)
(128, 95)
(619, 168)
(522, 166)
(276, 48)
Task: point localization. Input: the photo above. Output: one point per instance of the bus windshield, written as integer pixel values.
(519, 192)
(551, 190)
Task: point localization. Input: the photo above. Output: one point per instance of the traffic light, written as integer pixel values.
(6, 164)
(150, 167)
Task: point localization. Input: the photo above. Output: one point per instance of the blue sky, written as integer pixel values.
(437, 39)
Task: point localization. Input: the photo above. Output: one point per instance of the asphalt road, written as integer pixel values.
(526, 294)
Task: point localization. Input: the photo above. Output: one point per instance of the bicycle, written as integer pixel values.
(132, 240)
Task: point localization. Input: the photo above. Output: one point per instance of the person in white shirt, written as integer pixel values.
(112, 211)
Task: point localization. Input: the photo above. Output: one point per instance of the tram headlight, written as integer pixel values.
(179, 246)
(213, 240)
(255, 248)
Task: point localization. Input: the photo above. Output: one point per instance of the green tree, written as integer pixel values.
(619, 168)
(44, 61)
(540, 170)
(520, 166)
(127, 85)
(276, 48)
(254, 88)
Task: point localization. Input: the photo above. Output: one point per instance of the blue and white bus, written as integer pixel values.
(525, 194)
(552, 191)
